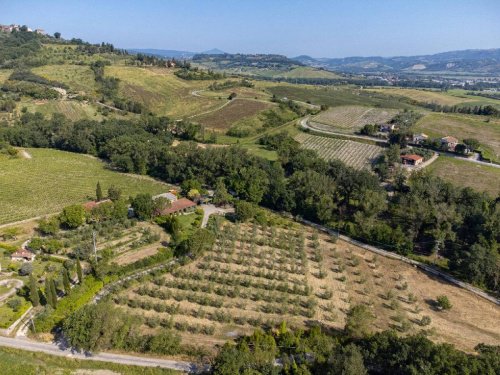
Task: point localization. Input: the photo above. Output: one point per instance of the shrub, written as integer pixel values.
(443, 302)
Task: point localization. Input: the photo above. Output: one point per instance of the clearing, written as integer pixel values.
(258, 276)
(486, 131)
(464, 173)
(350, 119)
(355, 154)
(54, 179)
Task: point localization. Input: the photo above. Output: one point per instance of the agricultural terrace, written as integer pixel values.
(350, 119)
(355, 154)
(77, 77)
(72, 109)
(257, 276)
(161, 91)
(335, 96)
(464, 173)
(50, 180)
(485, 130)
(237, 109)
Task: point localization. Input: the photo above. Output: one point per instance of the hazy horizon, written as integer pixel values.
(291, 28)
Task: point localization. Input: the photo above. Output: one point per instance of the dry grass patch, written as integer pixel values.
(426, 96)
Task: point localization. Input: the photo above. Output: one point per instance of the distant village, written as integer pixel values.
(14, 27)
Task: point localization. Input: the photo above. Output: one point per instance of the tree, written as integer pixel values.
(472, 143)
(48, 293)
(26, 269)
(114, 193)
(66, 282)
(221, 196)
(98, 192)
(79, 271)
(57, 35)
(53, 293)
(359, 319)
(48, 226)
(34, 297)
(72, 216)
(443, 302)
(349, 361)
(244, 210)
(143, 206)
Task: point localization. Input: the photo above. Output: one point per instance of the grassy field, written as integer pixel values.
(461, 127)
(304, 72)
(236, 110)
(464, 173)
(20, 362)
(350, 119)
(335, 96)
(8, 316)
(161, 91)
(258, 276)
(53, 179)
(450, 98)
(4, 74)
(77, 77)
(73, 110)
(355, 154)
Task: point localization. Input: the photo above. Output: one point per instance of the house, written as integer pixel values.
(419, 138)
(171, 196)
(181, 205)
(449, 143)
(22, 255)
(92, 204)
(387, 128)
(411, 159)
(40, 31)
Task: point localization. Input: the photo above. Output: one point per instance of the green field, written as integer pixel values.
(53, 179)
(161, 91)
(487, 132)
(77, 77)
(8, 316)
(467, 174)
(334, 96)
(72, 109)
(20, 362)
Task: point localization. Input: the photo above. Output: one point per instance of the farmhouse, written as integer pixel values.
(92, 204)
(449, 143)
(419, 138)
(181, 205)
(22, 255)
(411, 159)
(387, 128)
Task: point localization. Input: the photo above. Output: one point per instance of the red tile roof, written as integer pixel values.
(449, 139)
(178, 205)
(413, 157)
(92, 204)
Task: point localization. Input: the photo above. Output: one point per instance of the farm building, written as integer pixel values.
(387, 128)
(22, 255)
(92, 204)
(449, 142)
(419, 138)
(181, 205)
(411, 159)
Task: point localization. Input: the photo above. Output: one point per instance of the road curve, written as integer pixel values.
(55, 349)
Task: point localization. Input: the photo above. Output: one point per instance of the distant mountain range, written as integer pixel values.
(485, 61)
(170, 53)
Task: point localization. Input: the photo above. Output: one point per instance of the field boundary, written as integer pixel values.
(420, 265)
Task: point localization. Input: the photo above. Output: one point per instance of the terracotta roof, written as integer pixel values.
(177, 206)
(90, 205)
(21, 253)
(413, 157)
(449, 139)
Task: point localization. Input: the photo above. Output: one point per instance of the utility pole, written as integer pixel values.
(94, 244)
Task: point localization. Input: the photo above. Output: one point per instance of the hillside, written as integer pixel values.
(468, 61)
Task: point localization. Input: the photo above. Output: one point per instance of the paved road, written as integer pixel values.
(62, 351)
(210, 209)
(485, 163)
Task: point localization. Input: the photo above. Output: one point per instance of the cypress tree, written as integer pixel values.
(34, 297)
(66, 282)
(53, 292)
(98, 192)
(79, 271)
(48, 292)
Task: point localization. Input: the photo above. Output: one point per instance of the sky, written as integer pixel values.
(328, 28)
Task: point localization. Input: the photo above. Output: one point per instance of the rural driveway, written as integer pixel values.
(210, 209)
(62, 350)
(304, 123)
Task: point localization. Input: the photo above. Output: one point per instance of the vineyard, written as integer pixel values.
(355, 154)
(258, 276)
(349, 119)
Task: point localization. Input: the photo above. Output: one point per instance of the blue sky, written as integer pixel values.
(292, 27)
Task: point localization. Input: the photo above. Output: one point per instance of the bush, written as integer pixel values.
(14, 304)
(26, 269)
(443, 303)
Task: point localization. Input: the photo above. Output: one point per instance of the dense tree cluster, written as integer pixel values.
(189, 73)
(316, 352)
(487, 110)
